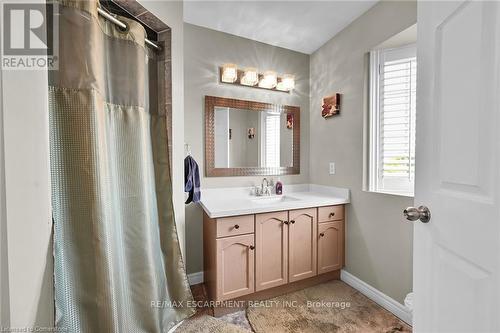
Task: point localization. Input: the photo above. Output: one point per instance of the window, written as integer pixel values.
(271, 139)
(393, 80)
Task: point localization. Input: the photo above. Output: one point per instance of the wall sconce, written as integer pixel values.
(250, 77)
(229, 73)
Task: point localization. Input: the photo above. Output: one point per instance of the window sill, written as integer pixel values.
(399, 194)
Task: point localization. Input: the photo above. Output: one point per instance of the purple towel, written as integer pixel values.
(191, 180)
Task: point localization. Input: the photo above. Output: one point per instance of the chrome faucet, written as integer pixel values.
(263, 190)
(262, 184)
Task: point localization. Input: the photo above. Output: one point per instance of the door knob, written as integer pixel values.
(421, 213)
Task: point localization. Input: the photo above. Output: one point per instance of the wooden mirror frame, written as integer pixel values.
(211, 171)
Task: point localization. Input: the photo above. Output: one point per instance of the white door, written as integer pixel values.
(457, 254)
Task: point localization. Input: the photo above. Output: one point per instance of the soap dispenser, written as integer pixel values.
(279, 187)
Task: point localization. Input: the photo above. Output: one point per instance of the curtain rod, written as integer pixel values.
(122, 25)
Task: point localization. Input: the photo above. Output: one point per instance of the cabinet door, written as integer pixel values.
(235, 266)
(330, 246)
(302, 240)
(271, 243)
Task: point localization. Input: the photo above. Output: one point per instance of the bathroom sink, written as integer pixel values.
(273, 199)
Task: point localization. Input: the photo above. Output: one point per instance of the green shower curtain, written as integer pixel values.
(118, 266)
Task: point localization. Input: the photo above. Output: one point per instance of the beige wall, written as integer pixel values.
(204, 51)
(26, 247)
(378, 240)
(242, 150)
(4, 264)
(27, 251)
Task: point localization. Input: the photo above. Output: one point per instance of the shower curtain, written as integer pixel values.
(118, 266)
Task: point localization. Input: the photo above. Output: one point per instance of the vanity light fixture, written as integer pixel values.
(250, 77)
(229, 73)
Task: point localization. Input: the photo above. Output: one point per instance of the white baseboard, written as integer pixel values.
(195, 278)
(388, 303)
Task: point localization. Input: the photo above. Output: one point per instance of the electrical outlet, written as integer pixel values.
(332, 168)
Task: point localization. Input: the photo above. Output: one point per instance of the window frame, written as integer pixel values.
(377, 58)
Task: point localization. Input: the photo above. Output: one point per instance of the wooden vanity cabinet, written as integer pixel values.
(302, 237)
(229, 256)
(271, 261)
(330, 238)
(270, 252)
(235, 266)
(330, 246)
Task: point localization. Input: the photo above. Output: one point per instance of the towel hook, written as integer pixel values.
(187, 149)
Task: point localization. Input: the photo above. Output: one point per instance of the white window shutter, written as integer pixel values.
(395, 80)
(272, 142)
(270, 139)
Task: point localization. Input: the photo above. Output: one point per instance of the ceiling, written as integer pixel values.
(302, 26)
(405, 37)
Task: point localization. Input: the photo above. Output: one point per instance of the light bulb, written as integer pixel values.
(251, 77)
(288, 81)
(269, 80)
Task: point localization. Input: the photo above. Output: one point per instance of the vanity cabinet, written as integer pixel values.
(235, 266)
(272, 253)
(271, 261)
(229, 256)
(302, 236)
(330, 238)
(330, 246)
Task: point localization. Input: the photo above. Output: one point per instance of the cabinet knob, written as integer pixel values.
(321, 234)
(252, 247)
(292, 221)
(236, 226)
(332, 214)
(285, 222)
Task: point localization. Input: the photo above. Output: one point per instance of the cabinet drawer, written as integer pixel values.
(235, 225)
(331, 213)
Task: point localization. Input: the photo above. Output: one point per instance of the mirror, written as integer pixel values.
(245, 138)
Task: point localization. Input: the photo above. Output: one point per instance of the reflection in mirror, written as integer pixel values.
(245, 138)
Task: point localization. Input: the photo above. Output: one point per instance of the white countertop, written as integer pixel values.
(221, 202)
